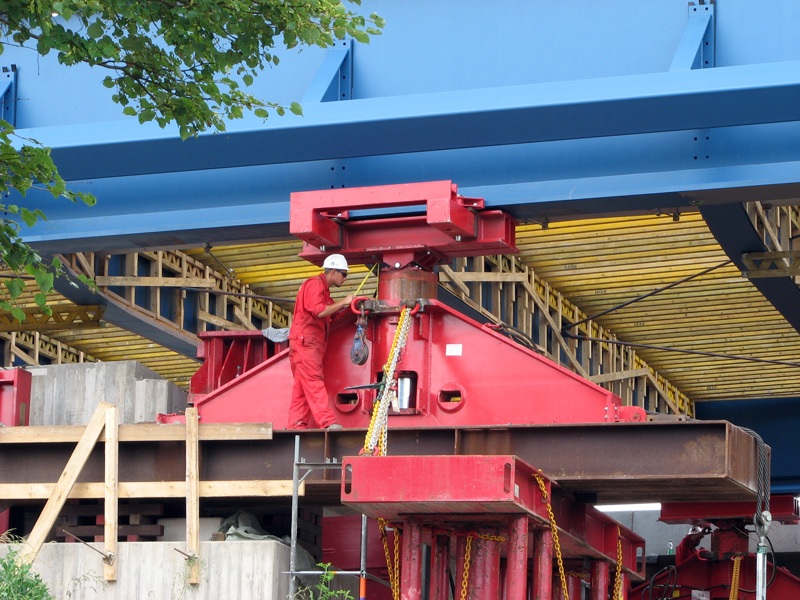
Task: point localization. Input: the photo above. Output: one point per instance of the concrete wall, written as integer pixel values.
(69, 394)
(251, 570)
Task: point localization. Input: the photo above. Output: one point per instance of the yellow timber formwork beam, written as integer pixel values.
(62, 316)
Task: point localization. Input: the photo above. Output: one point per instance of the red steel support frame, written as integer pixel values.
(600, 580)
(440, 563)
(485, 571)
(480, 500)
(517, 559)
(411, 571)
(543, 565)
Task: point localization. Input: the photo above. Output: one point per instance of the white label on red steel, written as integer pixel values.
(453, 350)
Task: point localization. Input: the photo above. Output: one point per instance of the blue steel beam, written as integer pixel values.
(630, 174)
(639, 104)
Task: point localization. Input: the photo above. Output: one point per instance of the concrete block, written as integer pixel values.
(69, 394)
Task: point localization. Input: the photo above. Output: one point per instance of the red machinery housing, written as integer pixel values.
(453, 370)
(709, 573)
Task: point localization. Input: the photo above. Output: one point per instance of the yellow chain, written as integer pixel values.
(467, 559)
(735, 578)
(493, 538)
(618, 577)
(553, 528)
(392, 351)
(393, 575)
(396, 587)
(578, 574)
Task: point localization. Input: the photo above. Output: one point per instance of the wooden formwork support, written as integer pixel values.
(64, 485)
(192, 496)
(104, 426)
(111, 507)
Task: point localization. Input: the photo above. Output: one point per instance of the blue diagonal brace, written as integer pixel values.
(8, 94)
(334, 80)
(696, 48)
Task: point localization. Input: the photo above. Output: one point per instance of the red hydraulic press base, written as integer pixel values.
(492, 514)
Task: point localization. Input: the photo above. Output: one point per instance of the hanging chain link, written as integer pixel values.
(737, 560)
(467, 560)
(468, 557)
(554, 529)
(377, 430)
(392, 567)
(618, 576)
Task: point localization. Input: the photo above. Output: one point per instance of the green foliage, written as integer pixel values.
(181, 62)
(25, 164)
(322, 590)
(17, 581)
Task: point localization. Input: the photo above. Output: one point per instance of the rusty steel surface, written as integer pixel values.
(608, 463)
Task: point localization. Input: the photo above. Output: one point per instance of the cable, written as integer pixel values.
(586, 338)
(669, 586)
(643, 296)
(762, 493)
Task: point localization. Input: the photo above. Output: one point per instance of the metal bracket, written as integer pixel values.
(696, 48)
(8, 94)
(334, 79)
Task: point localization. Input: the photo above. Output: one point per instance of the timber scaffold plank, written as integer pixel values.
(151, 457)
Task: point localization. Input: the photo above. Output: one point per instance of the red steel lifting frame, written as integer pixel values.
(486, 497)
(453, 226)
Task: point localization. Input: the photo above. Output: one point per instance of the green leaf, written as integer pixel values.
(29, 217)
(296, 108)
(18, 314)
(248, 80)
(14, 287)
(95, 30)
(44, 279)
(40, 299)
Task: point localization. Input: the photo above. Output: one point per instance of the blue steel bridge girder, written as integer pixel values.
(613, 145)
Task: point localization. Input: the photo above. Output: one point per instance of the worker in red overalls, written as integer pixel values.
(308, 339)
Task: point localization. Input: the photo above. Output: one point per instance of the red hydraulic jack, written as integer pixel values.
(451, 371)
(709, 574)
(492, 514)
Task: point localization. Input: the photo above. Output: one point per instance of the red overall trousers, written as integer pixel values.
(308, 340)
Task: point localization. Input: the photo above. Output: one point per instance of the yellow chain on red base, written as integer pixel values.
(376, 440)
(737, 560)
(468, 558)
(618, 577)
(554, 529)
(394, 569)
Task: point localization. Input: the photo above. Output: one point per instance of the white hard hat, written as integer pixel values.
(336, 261)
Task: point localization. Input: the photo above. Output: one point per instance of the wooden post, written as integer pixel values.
(64, 485)
(192, 495)
(111, 509)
